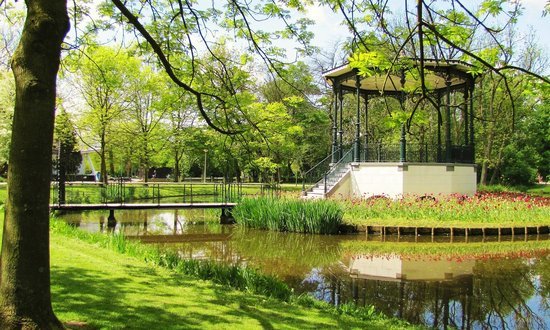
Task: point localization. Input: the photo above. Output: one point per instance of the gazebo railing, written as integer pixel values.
(417, 153)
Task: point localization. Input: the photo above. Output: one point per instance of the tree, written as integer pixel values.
(25, 300)
(67, 158)
(180, 129)
(10, 27)
(506, 115)
(104, 82)
(147, 107)
(24, 286)
(6, 115)
(297, 91)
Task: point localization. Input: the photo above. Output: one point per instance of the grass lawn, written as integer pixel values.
(98, 288)
(540, 189)
(109, 290)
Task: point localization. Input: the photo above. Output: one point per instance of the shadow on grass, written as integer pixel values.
(139, 298)
(104, 300)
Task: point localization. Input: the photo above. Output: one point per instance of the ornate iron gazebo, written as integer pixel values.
(441, 78)
(369, 169)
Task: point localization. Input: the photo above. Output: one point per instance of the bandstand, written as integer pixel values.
(367, 169)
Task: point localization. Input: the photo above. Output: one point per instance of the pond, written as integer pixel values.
(506, 292)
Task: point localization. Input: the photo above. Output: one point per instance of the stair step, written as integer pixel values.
(318, 191)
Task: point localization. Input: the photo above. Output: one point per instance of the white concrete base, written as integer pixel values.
(395, 180)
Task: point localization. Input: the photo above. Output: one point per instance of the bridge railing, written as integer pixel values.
(158, 193)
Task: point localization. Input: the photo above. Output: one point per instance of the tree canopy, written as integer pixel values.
(194, 44)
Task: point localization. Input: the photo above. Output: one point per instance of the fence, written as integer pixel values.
(158, 193)
(417, 153)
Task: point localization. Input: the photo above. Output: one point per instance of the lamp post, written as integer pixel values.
(204, 168)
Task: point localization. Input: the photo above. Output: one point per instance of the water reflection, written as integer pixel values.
(478, 294)
(503, 293)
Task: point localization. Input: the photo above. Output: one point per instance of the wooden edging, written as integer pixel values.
(454, 231)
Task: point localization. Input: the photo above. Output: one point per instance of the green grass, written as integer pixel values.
(109, 289)
(317, 217)
(1, 223)
(539, 189)
(535, 189)
(95, 286)
(3, 193)
(484, 210)
(245, 279)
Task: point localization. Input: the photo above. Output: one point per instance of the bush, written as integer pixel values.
(519, 165)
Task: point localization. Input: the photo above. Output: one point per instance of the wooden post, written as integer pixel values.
(111, 221)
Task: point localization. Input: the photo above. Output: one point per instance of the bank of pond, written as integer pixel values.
(482, 214)
(479, 282)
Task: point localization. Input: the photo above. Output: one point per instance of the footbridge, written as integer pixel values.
(121, 195)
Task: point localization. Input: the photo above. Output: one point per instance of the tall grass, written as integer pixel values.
(302, 216)
(244, 279)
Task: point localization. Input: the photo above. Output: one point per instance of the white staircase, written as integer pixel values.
(333, 177)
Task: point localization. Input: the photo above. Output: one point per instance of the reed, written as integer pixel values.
(315, 217)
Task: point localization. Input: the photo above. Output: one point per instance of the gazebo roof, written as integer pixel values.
(436, 72)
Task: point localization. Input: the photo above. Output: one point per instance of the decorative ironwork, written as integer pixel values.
(417, 153)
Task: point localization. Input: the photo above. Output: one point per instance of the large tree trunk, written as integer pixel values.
(25, 264)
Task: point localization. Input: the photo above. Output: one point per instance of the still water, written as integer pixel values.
(506, 292)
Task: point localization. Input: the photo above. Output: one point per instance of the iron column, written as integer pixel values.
(335, 124)
(448, 154)
(357, 146)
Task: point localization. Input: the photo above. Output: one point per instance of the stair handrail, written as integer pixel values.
(316, 167)
(346, 158)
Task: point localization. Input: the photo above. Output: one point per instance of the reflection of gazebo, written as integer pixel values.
(394, 268)
(441, 290)
(369, 169)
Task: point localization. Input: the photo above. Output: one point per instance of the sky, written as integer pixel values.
(329, 31)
